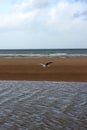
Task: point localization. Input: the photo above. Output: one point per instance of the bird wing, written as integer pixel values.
(49, 63)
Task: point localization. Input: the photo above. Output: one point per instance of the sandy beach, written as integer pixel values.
(62, 69)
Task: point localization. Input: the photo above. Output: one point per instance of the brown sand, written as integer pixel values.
(62, 69)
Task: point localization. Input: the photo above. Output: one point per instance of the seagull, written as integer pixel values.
(46, 64)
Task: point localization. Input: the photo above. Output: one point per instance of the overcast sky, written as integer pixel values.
(26, 24)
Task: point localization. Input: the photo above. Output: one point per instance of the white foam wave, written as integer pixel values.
(43, 55)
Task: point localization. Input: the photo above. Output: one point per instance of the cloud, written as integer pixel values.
(42, 3)
(85, 1)
(34, 4)
(82, 12)
(54, 22)
(41, 13)
(82, 15)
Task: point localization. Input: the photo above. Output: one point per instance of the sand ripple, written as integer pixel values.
(31, 105)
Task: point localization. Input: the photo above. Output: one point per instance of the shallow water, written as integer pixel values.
(34, 105)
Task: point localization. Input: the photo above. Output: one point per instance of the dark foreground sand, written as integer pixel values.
(62, 69)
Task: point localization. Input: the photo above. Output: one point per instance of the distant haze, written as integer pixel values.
(32, 24)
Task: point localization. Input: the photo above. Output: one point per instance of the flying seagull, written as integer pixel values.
(46, 64)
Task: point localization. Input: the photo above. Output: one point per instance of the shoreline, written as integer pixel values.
(62, 69)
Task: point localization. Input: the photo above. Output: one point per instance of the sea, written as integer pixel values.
(50, 53)
(43, 105)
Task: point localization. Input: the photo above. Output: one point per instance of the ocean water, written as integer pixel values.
(63, 53)
(43, 105)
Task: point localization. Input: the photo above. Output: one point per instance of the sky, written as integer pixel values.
(43, 24)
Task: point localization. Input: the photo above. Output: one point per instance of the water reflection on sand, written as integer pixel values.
(34, 105)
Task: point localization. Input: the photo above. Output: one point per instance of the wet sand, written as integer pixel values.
(43, 105)
(62, 69)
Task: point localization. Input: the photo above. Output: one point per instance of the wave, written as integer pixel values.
(62, 55)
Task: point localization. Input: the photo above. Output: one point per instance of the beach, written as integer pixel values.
(33, 97)
(62, 69)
